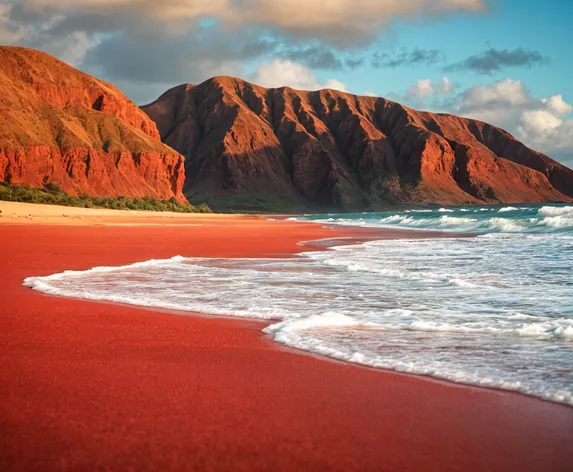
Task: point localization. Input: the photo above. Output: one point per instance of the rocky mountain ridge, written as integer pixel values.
(333, 150)
(61, 126)
(249, 147)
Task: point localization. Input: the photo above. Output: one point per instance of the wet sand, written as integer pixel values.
(93, 386)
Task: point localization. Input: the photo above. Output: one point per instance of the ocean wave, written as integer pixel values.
(505, 209)
(456, 221)
(472, 310)
(299, 335)
(556, 211)
(288, 329)
(396, 272)
(557, 329)
(559, 221)
(398, 219)
(506, 225)
(525, 220)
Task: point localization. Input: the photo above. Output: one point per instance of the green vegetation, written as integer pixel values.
(53, 195)
(252, 203)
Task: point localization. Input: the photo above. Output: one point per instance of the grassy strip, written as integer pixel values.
(53, 195)
(252, 203)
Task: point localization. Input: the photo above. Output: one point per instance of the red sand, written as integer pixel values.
(90, 386)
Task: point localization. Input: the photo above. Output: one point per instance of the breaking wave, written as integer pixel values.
(480, 220)
(492, 310)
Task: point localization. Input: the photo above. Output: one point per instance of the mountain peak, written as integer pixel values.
(63, 126)
(335, 150)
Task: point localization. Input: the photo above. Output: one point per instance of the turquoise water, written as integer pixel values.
(527, 219)
(493, 310)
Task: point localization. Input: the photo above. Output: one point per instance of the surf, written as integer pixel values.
(492, 310)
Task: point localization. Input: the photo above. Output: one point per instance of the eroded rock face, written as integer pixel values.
(341, 151)
(61, 126)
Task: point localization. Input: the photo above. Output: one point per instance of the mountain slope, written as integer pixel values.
(335, 150)
(59, 125)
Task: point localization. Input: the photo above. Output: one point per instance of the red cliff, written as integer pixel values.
(59, 125)
(329, 149)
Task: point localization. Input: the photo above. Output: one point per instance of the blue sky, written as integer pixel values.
(507, 62)
(510, 24)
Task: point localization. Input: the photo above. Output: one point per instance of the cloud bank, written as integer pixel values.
(162, 43)
(425, 88)
(343, 22)
(281, 73)
(543, 124)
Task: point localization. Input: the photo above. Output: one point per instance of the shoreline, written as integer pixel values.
(478, 427)
(318, 245)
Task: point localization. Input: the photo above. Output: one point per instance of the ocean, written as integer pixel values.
(494, 309)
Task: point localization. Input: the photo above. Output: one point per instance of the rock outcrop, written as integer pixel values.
(334, 150)
(59, 125)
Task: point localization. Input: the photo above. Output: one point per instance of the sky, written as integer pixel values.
(507, 62)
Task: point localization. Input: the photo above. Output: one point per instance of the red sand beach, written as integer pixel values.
(91, 386)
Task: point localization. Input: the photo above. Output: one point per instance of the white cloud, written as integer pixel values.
(548, 129)
(279, 73)
(209, 35)
(557, 105)
(447, 85)
(425, 88)
(335, 84)
(538, 122)
(422, 89)
(509, 92)
(541, 123)
(73, 48)
(342, 21)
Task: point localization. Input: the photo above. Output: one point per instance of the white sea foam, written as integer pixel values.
(505, 209)
(562, 221)
(309, 339)
(456, 221)
(566, 332)
(493, 310)
(397, 218)
(556, 211)
(505, 225)
(514, 220)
